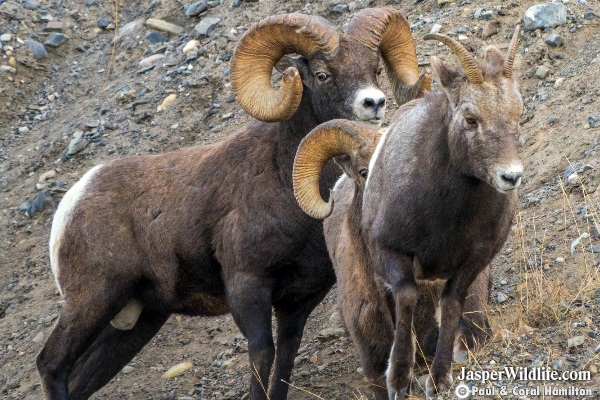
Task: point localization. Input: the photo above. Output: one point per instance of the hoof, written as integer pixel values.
(436, 392)
(460, 355)
(396, 395)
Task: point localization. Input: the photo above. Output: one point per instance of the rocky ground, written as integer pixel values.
(79, 86)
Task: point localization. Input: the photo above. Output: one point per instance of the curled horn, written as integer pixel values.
(466, 60)
(331, 139)
(259, 50)
(386, 29)
(512, 52)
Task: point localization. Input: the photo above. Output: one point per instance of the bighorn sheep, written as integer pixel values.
(216, 229)
(439, 199)
(366, 306)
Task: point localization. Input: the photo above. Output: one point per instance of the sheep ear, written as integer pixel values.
(493, 56)
(296, 61)
(445, 75)
(345, 163)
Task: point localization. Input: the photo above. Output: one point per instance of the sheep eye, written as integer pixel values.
(379, 71)
(363, 172)
(471, 121)
(322, 76)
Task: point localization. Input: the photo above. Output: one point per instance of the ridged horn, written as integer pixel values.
(465, 58)
(386, 29)
(512, 52)
(330, 139)
(259, 50)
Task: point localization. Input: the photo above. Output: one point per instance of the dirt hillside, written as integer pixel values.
(83, 98)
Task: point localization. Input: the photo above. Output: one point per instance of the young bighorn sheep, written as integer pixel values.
(366, 306)
(216, 229)
(439, 199)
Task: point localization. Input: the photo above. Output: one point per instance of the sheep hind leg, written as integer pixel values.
(290, 328)
(82, 319)
(372, 332)
(110, 352)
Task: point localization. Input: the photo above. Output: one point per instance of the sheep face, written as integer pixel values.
(343, 86)
(356, 165)
(484, 125)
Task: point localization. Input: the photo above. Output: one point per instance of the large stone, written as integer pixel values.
(542, 72)
(37, 49)
(56, 39)
(544, 16)
(128, 30)
(206, 26)
(490, 28)
(5, 37)
(30, 4)
(55, 26)
(195, 9)
(155, 37)
(554, 40)
(151, 60)
(164, 26)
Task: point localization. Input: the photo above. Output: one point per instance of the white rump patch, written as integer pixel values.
(62, 216)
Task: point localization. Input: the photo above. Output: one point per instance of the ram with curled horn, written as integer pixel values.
(215, 229)
(363, 298)
(441, 195)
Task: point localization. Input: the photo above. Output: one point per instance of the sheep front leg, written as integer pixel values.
(291, 319)
(249, 299)
(452, 301)
(405, 293)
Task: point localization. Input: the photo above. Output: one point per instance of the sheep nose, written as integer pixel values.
(375, 103)
(512, 178)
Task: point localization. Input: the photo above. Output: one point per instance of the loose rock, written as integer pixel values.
(128, 29)
(37, 49)
(177, 370)
(548, 15)
(126, 95)
(195, 9)
(328, 334)
(167, 102)
(39, 338)
(56, 39)
(30, 5)
(192, 45)
(490, 29)
(554, 40)
(76, 144)
(501, 297)
(575, 341)
(436, 28)
(155, 37)
(205, 27)
(151, 60)
(103, 23)
(127, 369)
(164, 26)
(55, 26)
(542, 72)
